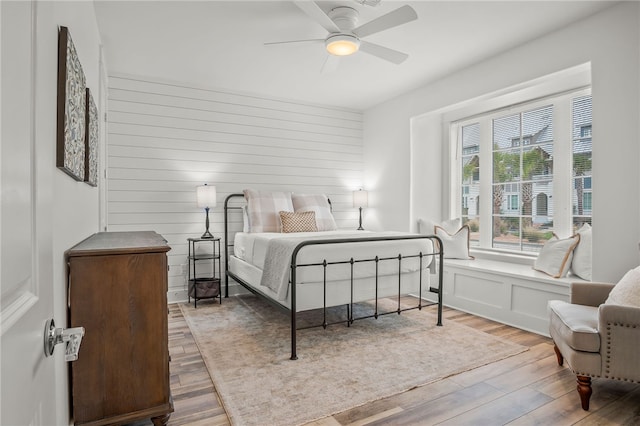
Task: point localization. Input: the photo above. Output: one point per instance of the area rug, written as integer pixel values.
(245, 343)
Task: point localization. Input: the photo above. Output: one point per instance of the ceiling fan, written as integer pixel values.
(345, 36)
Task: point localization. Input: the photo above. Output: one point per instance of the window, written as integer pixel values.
(517, 150)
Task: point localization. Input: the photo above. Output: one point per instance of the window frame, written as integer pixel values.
(562, 182)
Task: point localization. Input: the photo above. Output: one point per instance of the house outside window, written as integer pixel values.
(517, 150)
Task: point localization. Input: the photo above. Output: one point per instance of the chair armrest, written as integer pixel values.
(590, 294)
(619, 328)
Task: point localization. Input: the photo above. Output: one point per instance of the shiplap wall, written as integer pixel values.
(164, 139)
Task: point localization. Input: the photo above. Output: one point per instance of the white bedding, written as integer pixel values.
(254, 249)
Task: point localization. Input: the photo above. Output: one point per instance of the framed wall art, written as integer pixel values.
(70, 150)
(91, 142)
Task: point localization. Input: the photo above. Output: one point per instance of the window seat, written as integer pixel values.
(511, 293)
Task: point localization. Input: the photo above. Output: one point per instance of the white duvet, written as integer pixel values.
(271, 253)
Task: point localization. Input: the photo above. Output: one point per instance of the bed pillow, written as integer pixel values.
(555, 257)
(246, 226)
(298, 221)
(581, 262)
(627, 291)
(263, 208)
(456, 245)
(318, 203)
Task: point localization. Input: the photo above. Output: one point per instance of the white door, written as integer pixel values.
(27, 388)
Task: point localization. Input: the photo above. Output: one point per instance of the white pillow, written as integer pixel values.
(581, 263)
(627, 291)
(428, 226)
(456, 245)
(555, 257)
(319, 204)
(246, 226)
(264, 207)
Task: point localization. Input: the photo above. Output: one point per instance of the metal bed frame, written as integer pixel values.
(350, 318)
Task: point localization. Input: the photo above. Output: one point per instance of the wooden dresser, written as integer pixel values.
(118, 293)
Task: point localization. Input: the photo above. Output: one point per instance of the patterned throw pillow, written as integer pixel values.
(319, 204)
(263, 208)
(298, 221)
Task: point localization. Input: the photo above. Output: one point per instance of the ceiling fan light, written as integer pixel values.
(342, 44)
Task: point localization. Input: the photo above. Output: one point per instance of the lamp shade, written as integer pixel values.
(360, 198)
(206, 196)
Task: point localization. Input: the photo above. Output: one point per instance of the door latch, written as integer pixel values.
(71, 336)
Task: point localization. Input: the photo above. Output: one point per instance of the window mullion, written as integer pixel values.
(562, 172)
(520, 186)
(486, 180)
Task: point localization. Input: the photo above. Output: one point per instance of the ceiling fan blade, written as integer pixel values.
(314, 40)
(330, 64)
(383, 52)
(392, 19)
(317, 14)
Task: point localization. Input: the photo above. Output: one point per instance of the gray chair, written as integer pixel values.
(596, 339)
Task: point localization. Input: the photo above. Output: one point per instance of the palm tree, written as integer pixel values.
(506, 168)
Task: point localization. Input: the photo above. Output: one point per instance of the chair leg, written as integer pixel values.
(584, 389)
(558, 355)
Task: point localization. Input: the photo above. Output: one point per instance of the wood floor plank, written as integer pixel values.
(445, 407)
(557, 384)
(405, 400)
(502, 410)
(526, 374)
(505, 366)
(564, 410)
(383, 416)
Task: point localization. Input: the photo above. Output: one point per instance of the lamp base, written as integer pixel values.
(207, 234)
(360, 228)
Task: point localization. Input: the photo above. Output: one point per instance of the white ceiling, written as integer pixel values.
(219, 44)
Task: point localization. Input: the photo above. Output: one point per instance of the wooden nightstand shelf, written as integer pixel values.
(203, 275)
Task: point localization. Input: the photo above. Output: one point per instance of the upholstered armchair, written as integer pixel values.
(597, 339)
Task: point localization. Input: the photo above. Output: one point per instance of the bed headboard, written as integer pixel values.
(233, 222)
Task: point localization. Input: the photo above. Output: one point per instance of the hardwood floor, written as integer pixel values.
(526, 389)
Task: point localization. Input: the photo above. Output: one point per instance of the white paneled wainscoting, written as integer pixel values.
(164, 139)
(511, 293)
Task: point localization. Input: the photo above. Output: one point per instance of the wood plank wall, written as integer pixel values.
(164, 139)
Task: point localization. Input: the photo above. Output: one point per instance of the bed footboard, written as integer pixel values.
(376, 260)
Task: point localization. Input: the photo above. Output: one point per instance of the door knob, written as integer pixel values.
(72, 337)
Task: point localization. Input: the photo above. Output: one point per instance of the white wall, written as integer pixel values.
(610, 42)
(166, 138)
(75, 204)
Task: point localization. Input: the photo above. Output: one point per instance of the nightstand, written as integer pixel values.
(203, 275)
